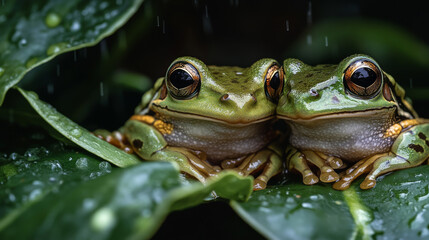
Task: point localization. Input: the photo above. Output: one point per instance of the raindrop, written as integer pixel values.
(75, 26)
(309, 39)
(105, 166)
(76, 132)
(122, 40)
(103, 219)
(52, 20)
(1, 71)
(207, 11)
(307, 205)
(35, 194)
(163, 26)
(12, 197)
(75, 56)
(58, 70)
(82, 163)
(50, 88)
(309, 14)
(32, 95)
(104, 50)
(287, 26)
(101, 89)
(157, 21)
(56, 48)
(411, 82)
(22, 42)
(31, 62)
(326, 41)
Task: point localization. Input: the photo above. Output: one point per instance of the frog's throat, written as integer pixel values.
(238, 122)
(345, 114)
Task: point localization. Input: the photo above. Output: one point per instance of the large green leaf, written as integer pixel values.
(56, 193)
(397, 208)
(33, 32)
(78, 134)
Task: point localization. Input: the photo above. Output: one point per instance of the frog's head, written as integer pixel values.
(229, 95)
(356, 85)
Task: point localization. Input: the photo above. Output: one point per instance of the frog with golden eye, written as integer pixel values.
(350, 113)
(208, 119)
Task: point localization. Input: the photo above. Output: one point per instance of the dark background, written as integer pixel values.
(81, 84)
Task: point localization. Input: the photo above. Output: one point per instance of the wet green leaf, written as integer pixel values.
(78, 134)
(52, 198)
(397, 208)
(43, 29)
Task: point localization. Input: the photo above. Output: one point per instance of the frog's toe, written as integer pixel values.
(328, 175)
(335, 162)
(368, 183)
(309, 178)
(259, 184)
(341, 184)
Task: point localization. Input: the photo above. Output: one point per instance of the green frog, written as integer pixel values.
(208, 119)
(350, 113)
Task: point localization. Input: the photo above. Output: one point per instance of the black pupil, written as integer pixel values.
(364, 77)
(275, 81)
(180, 79)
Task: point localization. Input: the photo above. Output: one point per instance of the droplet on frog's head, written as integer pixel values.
(52, 20)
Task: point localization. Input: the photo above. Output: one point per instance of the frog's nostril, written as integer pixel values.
(253, 97)
(314, 93)
(225, 97)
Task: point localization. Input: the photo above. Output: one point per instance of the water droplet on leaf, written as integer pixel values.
(52, 20)
(56, 48)
(82, 163)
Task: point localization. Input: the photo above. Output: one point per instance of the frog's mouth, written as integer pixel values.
(346, 114)
(234, 122)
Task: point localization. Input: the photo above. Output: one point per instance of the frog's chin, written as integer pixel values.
(238, 122)
(345, 114)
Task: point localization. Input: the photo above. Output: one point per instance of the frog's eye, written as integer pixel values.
(183, 80)
(363, 78)
(274, 80)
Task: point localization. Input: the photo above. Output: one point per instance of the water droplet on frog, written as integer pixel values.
(52, 20)
(82, 163)
(13, 156)
(76, 133)
(56, 48)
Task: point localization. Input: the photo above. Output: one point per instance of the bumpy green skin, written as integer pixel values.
(313, 94)
(246, 108)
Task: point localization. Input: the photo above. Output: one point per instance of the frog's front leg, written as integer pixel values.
(410, 149)
(298, 161)
(264, 164)
(149, 143)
